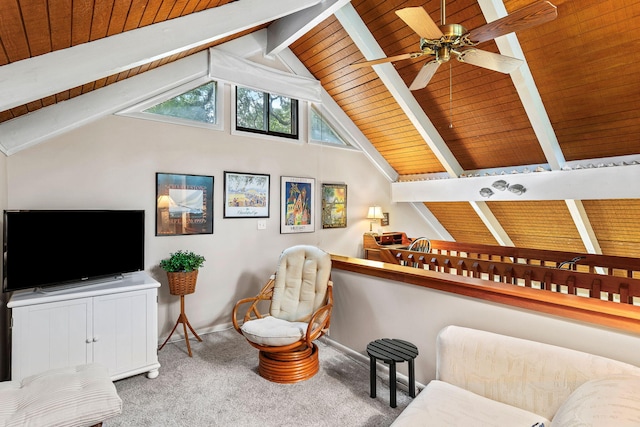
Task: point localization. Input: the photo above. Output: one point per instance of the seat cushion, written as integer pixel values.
(609, 401)
(78, 396)
(442, 404)
(270, 330)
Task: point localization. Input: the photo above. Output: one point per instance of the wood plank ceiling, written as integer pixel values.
(585, 63)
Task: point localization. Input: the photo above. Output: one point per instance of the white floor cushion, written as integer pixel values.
(67, 397)
(441, 404)
(609, 401)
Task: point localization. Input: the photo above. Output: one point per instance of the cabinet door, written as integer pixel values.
(124, 330)
(51, 335)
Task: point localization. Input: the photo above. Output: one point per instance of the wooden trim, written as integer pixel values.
(624, 317)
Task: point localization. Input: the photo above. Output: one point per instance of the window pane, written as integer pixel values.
(198, 104)
(250, 109)
(322, 131)
(280, 117)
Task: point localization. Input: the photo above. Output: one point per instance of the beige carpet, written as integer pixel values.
(220, 386)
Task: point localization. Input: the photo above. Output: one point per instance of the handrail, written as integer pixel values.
(607, 313)
(612, 265)
(613, 288)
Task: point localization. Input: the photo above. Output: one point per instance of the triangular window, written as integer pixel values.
(322, 132)
(198, 104)
(195, 104)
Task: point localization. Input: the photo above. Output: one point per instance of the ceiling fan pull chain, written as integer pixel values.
(450, 98)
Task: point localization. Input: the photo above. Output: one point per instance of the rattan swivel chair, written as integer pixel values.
(299, 300)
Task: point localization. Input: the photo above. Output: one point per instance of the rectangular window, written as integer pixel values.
(265, 113)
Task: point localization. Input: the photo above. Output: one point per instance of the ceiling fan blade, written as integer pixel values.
(529, 16)
(388, 59)
(419, 20)
(424, 75)
(492, 61)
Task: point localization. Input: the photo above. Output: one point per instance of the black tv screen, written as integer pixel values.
(51, 247)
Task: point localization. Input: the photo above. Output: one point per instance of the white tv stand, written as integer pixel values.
(114, 323)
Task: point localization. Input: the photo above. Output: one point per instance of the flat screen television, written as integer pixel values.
(43, 248)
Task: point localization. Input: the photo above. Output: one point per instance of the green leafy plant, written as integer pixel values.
(182, 261)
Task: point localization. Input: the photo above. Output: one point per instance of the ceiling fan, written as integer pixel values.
(447, 40)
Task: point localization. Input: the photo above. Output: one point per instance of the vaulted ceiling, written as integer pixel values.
(574, 105)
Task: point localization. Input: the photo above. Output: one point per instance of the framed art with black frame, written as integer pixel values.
(334, 206)
(297, 214)
(184, 204)
(246, 195)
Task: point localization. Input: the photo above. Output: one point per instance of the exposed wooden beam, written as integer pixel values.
(24, 81)
(526, 87)
(581, 220)
(286, 30)
(370, 48)
(33, 128)
(578, 184)
(492, 223)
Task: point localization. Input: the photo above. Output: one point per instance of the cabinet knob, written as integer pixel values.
(88, 341)
(95, 339)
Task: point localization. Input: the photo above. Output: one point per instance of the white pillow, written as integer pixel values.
(609, 401)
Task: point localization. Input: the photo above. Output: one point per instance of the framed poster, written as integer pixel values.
(385, 221)
(184, 204)
(296, 205)
(246, 195)
(334, 205)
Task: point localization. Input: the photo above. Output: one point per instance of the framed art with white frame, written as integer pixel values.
(297, 213)
(246, 195)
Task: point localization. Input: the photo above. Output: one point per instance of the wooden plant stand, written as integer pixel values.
(182, 318)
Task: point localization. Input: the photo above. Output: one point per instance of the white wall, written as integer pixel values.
(111, 164)
(367, 308)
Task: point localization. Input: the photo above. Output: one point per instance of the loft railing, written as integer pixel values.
(592, 285)
(591, 263)
(592, 310)
(601, 277)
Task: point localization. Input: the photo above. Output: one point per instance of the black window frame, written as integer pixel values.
(266, 112)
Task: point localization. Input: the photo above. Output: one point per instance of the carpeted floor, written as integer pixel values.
(220, 386)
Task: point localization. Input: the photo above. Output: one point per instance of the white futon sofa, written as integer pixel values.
(486, 379)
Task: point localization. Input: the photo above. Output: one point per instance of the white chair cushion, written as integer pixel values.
(441, 404)
(78, 396)
(301, 283)
(609, 401)
(270, 330)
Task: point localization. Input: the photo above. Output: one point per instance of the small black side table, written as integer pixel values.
(391, 351)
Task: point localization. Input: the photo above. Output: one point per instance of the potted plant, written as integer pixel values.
(182, 271)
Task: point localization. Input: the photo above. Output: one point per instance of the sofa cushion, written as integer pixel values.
(609, 401)
(530, 375)
(441, 404)
(270, 330)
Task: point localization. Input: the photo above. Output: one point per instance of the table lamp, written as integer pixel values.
(375, 213)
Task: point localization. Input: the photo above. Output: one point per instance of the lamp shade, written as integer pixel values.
(375, 212)
(165, 202)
